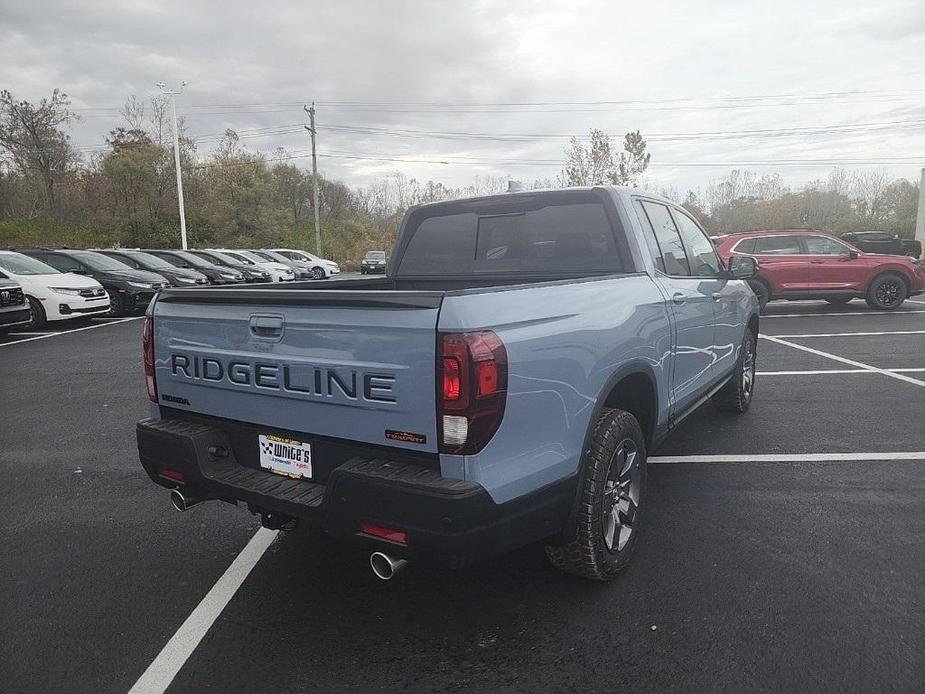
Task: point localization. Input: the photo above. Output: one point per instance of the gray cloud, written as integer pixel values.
(390, 56)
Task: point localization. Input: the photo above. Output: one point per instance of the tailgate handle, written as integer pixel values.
(267, 327)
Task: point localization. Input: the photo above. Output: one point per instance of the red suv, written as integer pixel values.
(809, 264)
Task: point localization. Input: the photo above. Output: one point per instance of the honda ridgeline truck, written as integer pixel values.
(501, 385)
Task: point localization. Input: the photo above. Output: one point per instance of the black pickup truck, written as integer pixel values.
(884, 243)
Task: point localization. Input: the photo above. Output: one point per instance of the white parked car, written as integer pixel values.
(279, 272)
(321, 267)
(54, 295)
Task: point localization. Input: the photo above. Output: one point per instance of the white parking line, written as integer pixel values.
(788, 457)
(843, 360)
(913, 301)
(68, 332)
(167, 664)
(842, 313)
(836, 371)
(861, 334)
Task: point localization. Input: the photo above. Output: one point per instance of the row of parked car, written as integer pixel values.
(41, 285)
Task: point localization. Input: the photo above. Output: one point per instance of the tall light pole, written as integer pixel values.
(172, 93)
(920, 216)
(311, 129)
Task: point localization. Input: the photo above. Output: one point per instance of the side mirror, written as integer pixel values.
(853, 254)
(742, 267)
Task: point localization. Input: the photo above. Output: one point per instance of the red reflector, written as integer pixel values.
(387, 534)
(172, 475)
(451, 378)
(488, 377)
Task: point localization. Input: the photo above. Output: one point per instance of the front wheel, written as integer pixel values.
(887, 292)
(318, 273)
(611, 496)
(736, 395)
(38, 318)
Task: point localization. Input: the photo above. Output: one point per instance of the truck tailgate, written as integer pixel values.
(342, 364)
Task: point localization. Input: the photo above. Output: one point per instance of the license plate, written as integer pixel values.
(284, 456)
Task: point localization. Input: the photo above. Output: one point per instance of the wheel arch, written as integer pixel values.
(891, 270)
(633, 387)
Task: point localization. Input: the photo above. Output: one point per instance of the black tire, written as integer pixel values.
(318, 273)
(887, 292)
(617, 436)
(116, 305)
(762, 292)
(736, 395)
(841, 301)
(39, 318)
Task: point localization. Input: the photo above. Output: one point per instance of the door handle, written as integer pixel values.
(677, 297)
(267, 327)
(817, 262)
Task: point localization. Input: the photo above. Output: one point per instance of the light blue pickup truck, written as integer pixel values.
(501, 385)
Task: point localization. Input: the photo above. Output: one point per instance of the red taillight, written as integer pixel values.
(473, 368)
(388, 534)
(451, 375)
(147, 346)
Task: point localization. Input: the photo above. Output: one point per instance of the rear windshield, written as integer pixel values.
(559, 233)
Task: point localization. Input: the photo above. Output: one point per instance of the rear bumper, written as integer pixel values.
(452, 522)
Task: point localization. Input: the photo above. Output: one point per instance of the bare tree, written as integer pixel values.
(33, 137)
(133, 111)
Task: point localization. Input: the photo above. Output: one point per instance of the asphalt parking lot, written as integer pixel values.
(783, 550)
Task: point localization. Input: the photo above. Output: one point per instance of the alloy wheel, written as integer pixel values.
(620, 505)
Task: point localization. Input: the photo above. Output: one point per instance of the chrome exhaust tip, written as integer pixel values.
(384, 566)
(181, 502)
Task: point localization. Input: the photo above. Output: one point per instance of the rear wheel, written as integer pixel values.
(612, 494)
(840, 301)
(38, 319)
(762, 292)
(887, 292)
(736, 395)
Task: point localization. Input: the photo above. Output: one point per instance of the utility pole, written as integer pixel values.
(172, 93)
(920, 215)
(311, 128)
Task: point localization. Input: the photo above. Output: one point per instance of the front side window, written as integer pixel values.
(669, 239)
(701, 254)
(778, 245)
(822, 245)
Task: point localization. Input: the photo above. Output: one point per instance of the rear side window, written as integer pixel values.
(669, 239)
(545, 234)
(820, 245)
(649, 235)
(778, 245)
(745, 246)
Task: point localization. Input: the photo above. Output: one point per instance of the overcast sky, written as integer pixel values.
(388, 75)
